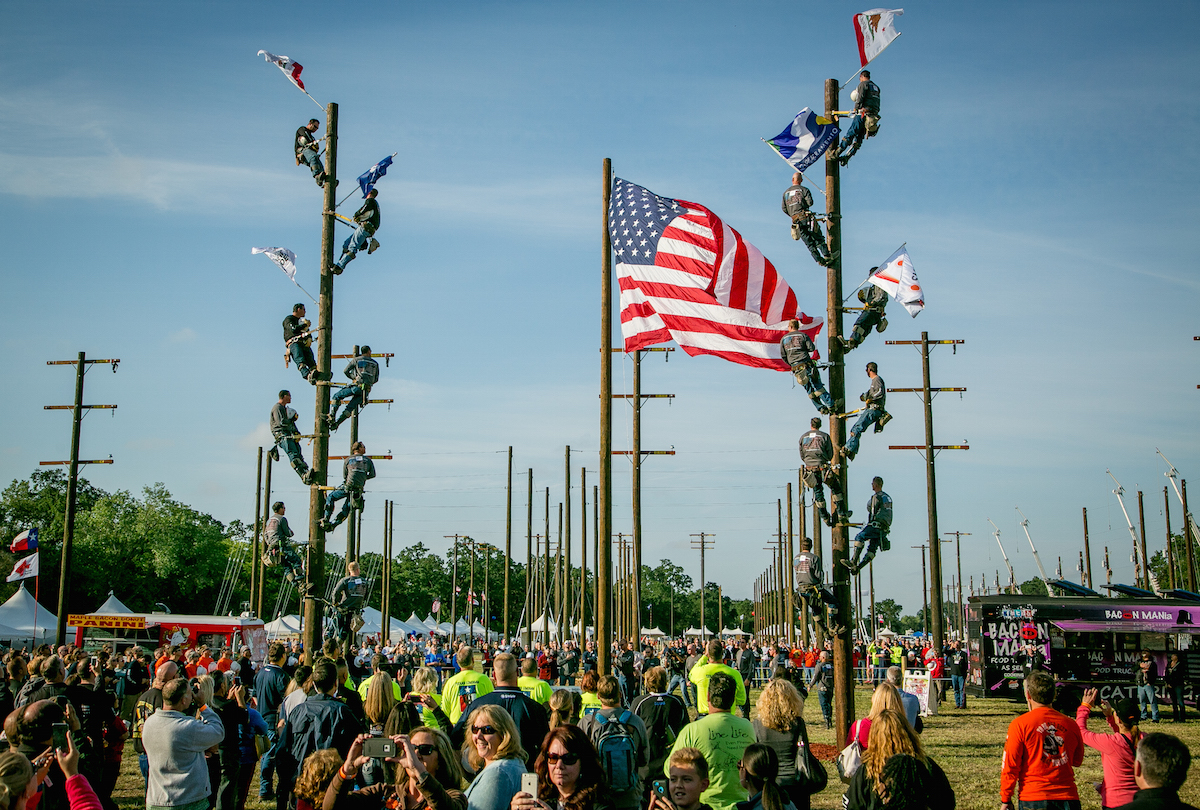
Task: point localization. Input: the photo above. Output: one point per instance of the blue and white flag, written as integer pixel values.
(805, 139)
(368, 179)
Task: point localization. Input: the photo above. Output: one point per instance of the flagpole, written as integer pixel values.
(793, 168)
(37, 583)
(873, 58)
(868, 278)
(306, 292)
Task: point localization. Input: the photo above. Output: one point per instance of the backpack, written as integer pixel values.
(617, 751)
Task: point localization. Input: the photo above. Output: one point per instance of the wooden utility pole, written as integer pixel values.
(791, 575)
(546, 580)
(702, 544)
(874, 621)
(924, 587)
(507, 545)
(313, 623)
(565, 516)
(818, 621)
(802, 531)
(583, 553)
(453, 595)
(1142, 531)
(64, 569)
(843, 672)
(929, 451)
(958, 556)
(529, 563)
(1087, 549)
(1171, 579)
(1188, 522)
(257, 596)
(604, 502)
(258, 526)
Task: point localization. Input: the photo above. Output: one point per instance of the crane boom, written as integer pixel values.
(1120, 492)
(1012, 578)
(1036, 558)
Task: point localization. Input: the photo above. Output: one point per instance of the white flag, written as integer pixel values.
(290, 68)
(282, 257)
(897, 278)
(26, 567)
(875, 30)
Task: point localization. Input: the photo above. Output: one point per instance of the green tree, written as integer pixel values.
(1034, 587)
(890, 611)
(1158, 563)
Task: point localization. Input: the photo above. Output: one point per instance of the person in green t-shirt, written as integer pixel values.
(425, 682)
(460, 690)
(722, 738)
(708, 665)
(589, 682)
(533, 686)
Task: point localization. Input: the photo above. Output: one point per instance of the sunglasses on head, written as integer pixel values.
(566, 759)
(486, 731)
(425, 749)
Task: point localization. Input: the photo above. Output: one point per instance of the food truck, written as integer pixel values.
(1084, 641)
(160, 629)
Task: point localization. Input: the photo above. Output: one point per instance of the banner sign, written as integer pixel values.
(112, 622)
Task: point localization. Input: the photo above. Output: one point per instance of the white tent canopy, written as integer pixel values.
(18, 614)
(112, 605)
(288, 625)
(652, 631)
(692, 631)
(543, 624)
(885, 632)
(734, 631)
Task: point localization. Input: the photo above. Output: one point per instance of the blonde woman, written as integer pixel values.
(779, 725)
(494, 751)
(563, 711)
(425, 682)
(379, 702)
(320, 767)
(895, 770)
(886, 696)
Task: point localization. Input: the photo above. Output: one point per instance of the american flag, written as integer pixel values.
(686, 276)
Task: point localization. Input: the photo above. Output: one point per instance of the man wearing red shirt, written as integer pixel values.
(1042, 751)
(225, 661)
(206, 660)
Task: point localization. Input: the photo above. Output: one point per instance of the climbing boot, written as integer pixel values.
(882, 325)
(883, 420)
(374, 246)
(308, 477)
(274, 453)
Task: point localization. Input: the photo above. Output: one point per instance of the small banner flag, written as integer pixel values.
(437, 605)
(290, 69)
(25, 568)
(368, 179)
(897, 278)
(25, 541)
(282, 257)
(875, 30)
(805, 139)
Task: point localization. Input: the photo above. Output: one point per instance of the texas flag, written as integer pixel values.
(25, 541)
(25, 568)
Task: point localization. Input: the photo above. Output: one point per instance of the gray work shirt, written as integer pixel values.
(816, 449)
(282, 425)
(357, 470)
(808, 569)
(277, 531)
(797, 348)
(876, 393)
(797, 200)
(879, 510)
(362, 370)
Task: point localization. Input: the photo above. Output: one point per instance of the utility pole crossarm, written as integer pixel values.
(925, 447)
(72, 407)
(113, 361)
(644, 452)
(342, 458)
(643, 396)
(80, 461)
(918, 343)
(920, 390)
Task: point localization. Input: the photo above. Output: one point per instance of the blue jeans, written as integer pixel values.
(302, 356)
(268, 760)
(353, 244)
(310, 158)
(337, 495)
(291, 449)
(854, 136)
(351, 392)
(872, 536)
(825, 697)
(960, 691)
(810, 378)
(868, 418)
(1146, 696)
(880, 675)
(144, 767)
(682, 682)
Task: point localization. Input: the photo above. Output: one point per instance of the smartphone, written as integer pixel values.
(660, 788)
(59, 732)
(379, 747)
(413, 697)
(529, 784)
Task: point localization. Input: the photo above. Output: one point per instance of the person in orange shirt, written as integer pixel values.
(206, 660)
(1043, 749)
(225, 662)
(810, 663)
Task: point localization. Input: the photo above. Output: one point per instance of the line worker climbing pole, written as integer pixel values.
(367, 220)
(797, 349)
(363, 373)
(283, 428)
(874, 299)
(357, 470)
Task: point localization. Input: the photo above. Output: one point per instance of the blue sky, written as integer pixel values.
(1039, 160)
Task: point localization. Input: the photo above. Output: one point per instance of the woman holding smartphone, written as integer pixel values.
(569, 774)
(493, 749)
(428, 775)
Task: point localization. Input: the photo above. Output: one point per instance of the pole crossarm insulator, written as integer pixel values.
(72, 407)
(343, 458)
(935, 447)
(918, 343)
(114, 361)
(81, 461)
(644, 452)
(643, 396)
(655, 349)
(920, 390)
(380, 401)
(352, 356)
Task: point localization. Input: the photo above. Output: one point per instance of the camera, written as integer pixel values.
(379, 747)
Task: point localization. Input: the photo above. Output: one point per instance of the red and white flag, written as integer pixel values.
(898, 279)
(290, 69)
(25, 568)
(686, 276)
(875, 30)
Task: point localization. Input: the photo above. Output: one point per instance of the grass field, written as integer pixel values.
(966, 744)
